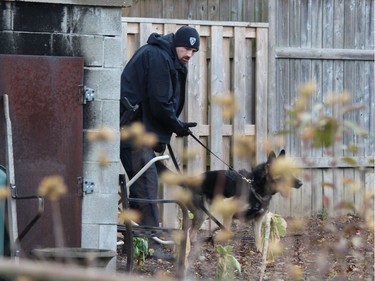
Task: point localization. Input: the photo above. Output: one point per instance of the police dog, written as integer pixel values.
(251, 191)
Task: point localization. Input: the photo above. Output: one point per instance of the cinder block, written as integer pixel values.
(93, 49)
(66, 45)
(111, 113)
(97, 20)
(7, 43)
(93, 115)
(36, 17)
(100, 208)
(26, 43)
(108, 236)
(112, 52)
(90, 235)
(112, 148)
(105, 81)
(93, 150)
(105, 178)
(6, 14)
(90, 47)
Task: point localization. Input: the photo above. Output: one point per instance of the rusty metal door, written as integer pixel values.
(46, 115)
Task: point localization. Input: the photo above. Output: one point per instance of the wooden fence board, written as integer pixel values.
(338, 23)
(217, 90)
(261, 88)
(240, 92)
(369, 190)
(196, 108)
(317, 199)
(370, 25)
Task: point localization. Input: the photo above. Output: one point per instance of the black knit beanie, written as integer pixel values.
(187, 36)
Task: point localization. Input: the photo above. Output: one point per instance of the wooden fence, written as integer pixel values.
(332, 44)
(328, 42)
(212, 10)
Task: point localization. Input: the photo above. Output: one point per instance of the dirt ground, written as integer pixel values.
(322, 249)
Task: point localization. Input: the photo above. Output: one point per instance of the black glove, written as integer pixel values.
(184, 130)
(160, 147)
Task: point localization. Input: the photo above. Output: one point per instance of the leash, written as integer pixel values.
(249, 181)
(222, 161)
(210, 151)
(173, 158)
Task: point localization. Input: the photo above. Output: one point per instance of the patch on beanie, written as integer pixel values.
(192, 41)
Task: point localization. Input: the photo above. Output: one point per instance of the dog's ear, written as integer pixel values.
(282, 153)
(271, 156)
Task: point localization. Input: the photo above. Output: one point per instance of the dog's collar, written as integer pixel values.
(250, 181)
(256, 194)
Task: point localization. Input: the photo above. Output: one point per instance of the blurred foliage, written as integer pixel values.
(227, 264)
(141, 250)
(278, 227)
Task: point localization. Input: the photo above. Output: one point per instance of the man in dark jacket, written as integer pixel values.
(154, 80)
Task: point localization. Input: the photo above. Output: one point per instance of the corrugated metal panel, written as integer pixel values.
(46, 116)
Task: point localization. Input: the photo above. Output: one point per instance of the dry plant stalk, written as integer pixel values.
(53, 188)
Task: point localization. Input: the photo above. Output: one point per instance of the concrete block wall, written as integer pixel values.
(94, 33)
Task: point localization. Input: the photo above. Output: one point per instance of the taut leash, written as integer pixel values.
(173, 158)
(222, 161)
(210, 151)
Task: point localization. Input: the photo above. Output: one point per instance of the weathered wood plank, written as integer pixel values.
(239, 92)
(306, 24)
(370, 24)
(213, 10)
(272, 68)
(226, 57)
(217, 89)
(316, 199)
(338, 24)
(294, 23)
(198, 22)
(316, 26)
(124, 44)
(349, 24)
(326, 53)
(368, 114)
(329, 200)
(329, 162)
(145, 29)
(148, 8)
(327, 24)
(196, 108)
(236, 10)
(294, 143)
(261, 88)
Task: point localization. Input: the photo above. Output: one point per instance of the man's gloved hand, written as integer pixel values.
(184, 130)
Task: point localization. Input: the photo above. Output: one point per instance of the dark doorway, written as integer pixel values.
(46, 115)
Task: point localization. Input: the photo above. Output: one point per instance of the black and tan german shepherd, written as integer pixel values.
(252, 191)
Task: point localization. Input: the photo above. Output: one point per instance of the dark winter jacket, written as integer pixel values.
(155, 79)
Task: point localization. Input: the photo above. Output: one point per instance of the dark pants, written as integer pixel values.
(146, 187)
